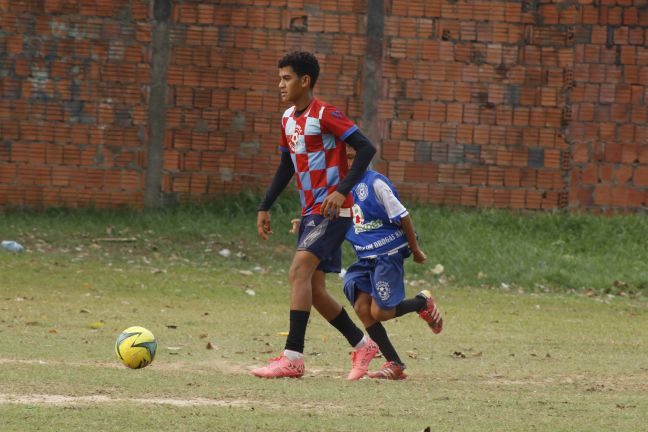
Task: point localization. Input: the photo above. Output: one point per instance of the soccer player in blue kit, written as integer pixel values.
(383, 236)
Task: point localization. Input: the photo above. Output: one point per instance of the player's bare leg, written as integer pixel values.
(334, 313)
(291, 362)
(323, 301)
(394, 368)
(300, 277)
(379, 314)
(362, 307)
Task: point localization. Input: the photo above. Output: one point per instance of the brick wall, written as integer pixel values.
(608, 132)
(223, 109)
(475, 94)
(513, 104)
(73, 98)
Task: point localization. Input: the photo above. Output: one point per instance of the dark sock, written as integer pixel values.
(347, 327)
(415, 304)
(379, 335)
(298, 323)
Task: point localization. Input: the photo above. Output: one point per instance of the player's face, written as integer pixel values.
(291, 86)
(350, 153)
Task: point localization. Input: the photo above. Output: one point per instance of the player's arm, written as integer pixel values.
(365, 151)
(410, 234)
(284, 173)
(397, 212)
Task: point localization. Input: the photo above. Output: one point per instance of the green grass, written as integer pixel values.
(560, 347)
(541, 250)
(489, 248)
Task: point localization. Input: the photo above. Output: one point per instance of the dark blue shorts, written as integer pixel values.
(381, 277)
(323, 238)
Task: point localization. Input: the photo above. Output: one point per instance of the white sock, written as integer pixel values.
(293, 355)
(362, 342)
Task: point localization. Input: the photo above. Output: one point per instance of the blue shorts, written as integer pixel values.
(382, 277)
(323, 238)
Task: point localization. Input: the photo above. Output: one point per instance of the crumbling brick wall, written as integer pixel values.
(73, 95)
(532, 104)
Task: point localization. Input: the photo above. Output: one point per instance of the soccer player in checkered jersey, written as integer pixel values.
(313, 146)
(383, 236)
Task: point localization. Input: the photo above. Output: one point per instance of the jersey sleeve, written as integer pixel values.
(393, 207)
(334, 121)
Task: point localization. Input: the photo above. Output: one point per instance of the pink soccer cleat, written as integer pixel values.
(389, 371)
(430, 313)
(361, 358)
(281, 367)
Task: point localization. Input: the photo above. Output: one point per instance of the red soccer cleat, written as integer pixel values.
(430, 313)
(389, 371)
(281, 367)
(361, 358)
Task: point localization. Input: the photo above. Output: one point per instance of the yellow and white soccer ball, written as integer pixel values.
(136, 347)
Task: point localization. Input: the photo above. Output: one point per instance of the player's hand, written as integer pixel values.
(263, 224)
(419, 256)
(332, 204)
(295, 226)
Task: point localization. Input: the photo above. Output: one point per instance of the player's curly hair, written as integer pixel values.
(303, 63)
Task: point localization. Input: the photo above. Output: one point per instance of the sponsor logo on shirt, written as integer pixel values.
(359, 225)
(294, 138)
(379, 243)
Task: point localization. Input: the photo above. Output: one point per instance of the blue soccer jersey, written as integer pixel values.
(374, 231)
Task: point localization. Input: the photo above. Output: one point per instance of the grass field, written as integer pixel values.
(545, 326)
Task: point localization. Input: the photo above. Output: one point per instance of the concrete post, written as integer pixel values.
(157, 103)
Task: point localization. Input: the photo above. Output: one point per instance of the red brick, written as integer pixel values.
(495, 176)
(605, 173)
(512, 177)
(469, 196)
(552, 158)
(619, 196)
(446, 173)
(613, 152)
(585, 197)
(518, 199)
(479, 176)
(502, 198)
(589, 175)
(623, 174)
(550, 200)
(629, 153)
(640, 177)
(485, 197)
(396, 171)
(636, 198)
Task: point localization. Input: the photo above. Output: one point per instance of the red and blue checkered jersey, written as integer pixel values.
(315, 140)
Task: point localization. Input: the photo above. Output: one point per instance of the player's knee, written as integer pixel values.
(381, 314)
(299, 272)
(362, 310)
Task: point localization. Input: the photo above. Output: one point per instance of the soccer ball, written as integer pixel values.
(136, 347)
